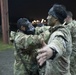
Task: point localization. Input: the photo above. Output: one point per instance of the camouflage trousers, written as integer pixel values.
(32, 67)
(73, 62)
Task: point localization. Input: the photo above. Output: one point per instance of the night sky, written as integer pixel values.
(36, 9)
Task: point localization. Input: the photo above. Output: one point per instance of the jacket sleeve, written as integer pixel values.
(12, 35)
(39, 30)
(58, 41)
(31, 41)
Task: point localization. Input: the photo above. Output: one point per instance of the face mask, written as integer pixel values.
(29, 30)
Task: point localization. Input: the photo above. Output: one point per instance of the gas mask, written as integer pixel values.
(29, 29)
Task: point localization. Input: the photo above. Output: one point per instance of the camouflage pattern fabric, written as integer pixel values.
(72, 27)
(39, 30)
(60, 40)
(60, 65)
(27, 46)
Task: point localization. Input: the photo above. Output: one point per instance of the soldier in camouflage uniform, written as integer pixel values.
(59, 51)
(26, 47)
(71, 24)
(56, 53)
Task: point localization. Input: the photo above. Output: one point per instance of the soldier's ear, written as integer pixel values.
(23, 28)
(56, 19)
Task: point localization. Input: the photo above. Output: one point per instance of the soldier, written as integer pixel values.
(56, 53)
(71, 25)
(26, 45)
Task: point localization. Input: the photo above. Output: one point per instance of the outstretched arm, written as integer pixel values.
(31, 41)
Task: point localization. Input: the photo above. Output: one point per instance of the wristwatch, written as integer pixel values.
(54, 53)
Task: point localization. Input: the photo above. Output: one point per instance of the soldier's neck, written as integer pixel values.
(57, 23)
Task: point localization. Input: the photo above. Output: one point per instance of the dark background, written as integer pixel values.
(36, 9)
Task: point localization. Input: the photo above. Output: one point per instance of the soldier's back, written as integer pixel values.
(72, 27)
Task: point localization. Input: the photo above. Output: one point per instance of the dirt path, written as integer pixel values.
(6, 62)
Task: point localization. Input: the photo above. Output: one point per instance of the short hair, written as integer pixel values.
(22, 22)
(59, 12)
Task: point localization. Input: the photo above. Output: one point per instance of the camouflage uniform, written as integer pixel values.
(27, 46)
(42, 29)
(72, 27)
(60, 65)
(60, 40)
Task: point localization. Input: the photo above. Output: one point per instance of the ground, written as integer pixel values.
(6, 62)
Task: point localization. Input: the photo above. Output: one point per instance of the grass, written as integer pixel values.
(4, 46)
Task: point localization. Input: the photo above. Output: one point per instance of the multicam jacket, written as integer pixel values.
(72, 28)
(27, 46)
(60, 40)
